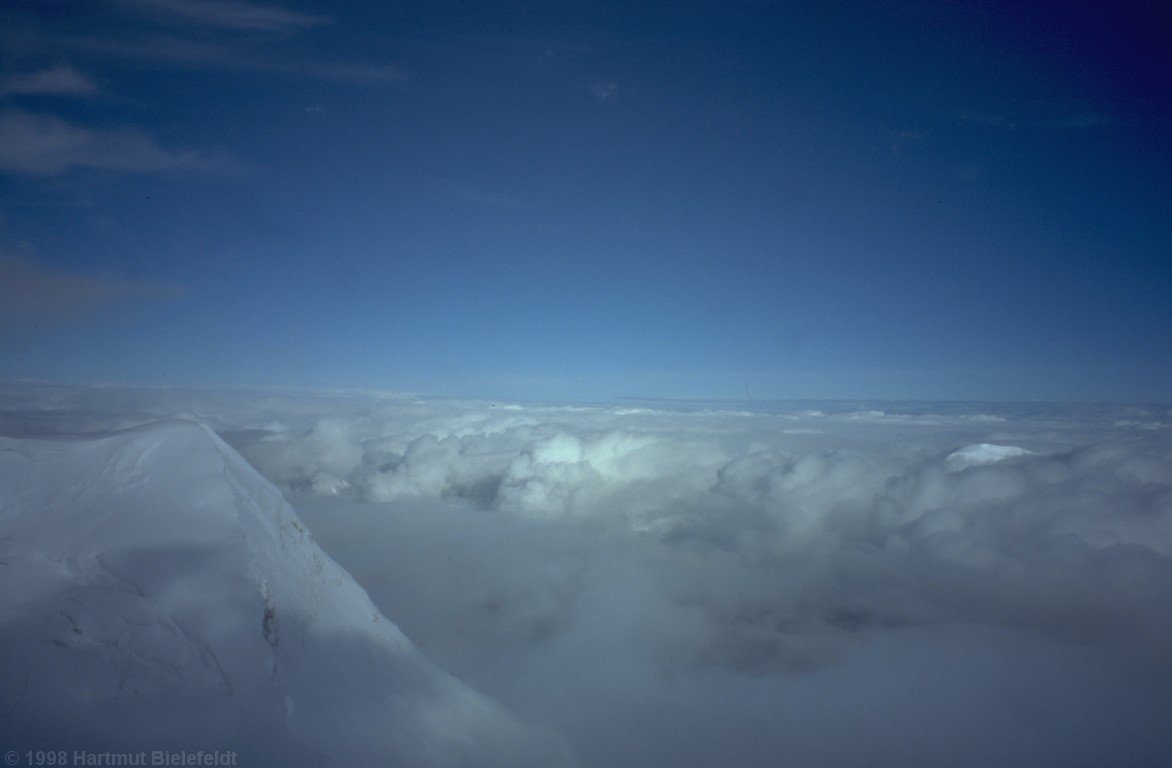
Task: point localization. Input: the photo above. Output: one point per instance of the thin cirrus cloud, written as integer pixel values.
(45, 145)
(1073, 121)
(31, 291)
(604, 90)
(226, 14)
(189, 53)
(61, 80)
(200, 35)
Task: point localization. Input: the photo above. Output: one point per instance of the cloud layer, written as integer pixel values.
(682, 585)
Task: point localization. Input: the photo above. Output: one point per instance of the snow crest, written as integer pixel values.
(158, 592)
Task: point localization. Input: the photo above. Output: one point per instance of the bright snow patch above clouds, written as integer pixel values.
(982, 453)
(157, 592)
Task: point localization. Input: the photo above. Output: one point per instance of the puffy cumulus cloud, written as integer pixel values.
(805, 495)
(686, 585)
(319, 461)
(534, 470)
(430, 466)
(615, 472)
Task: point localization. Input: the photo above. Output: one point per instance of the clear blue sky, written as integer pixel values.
(555, 200)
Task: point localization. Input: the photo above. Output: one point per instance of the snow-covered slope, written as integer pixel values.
(158, 593)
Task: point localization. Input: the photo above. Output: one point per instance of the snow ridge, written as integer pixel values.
(160, 592)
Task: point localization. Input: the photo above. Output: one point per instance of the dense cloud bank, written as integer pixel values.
(696, 583)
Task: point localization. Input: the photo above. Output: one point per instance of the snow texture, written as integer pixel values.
(158, 592)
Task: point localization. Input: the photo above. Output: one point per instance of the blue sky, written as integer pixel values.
(553, 200)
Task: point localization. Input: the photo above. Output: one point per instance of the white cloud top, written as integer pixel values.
(683, 586)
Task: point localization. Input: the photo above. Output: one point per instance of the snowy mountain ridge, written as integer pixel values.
(159, 592)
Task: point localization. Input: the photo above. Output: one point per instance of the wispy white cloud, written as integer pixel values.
(228, 55)
(229, 14)
(30, 290)
(45, 145)
(61, 80)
